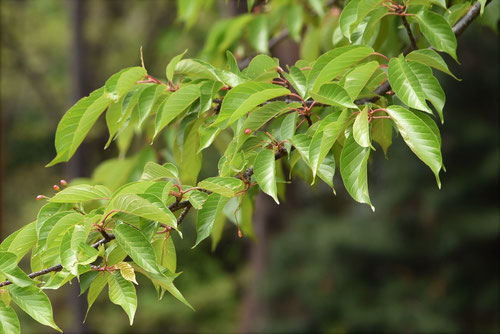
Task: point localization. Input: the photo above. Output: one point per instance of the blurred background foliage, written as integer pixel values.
(425, 261)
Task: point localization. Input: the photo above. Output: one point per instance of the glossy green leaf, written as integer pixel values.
(81, 193)
(265, 173)
(9, 322)
(139, 206)
(353, 168)
(333, 95)
(154, 171)
(335, 62)
(348, 17)
(34, 302)
(406, 84)
(137, 247)
(357, 79)
(258, 33)
(242, 99)
(262, 68)
(326, 170)
(431, 87)
(196, 69)
(175, 105)
(172, 65)
(419, 136)
(122, 293)
(264, 114)
(430, 58)
(361, 129)
(150, 101)
(225, 186)
(76, 123)
(297, 79)
(9, 268)
(207, 215)
(437, 31)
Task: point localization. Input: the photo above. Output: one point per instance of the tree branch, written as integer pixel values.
(458, 29)
(109, 236)
(413, 43)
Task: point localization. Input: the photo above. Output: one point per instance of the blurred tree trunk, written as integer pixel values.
(74, 168)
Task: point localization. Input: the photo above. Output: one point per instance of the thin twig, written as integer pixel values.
(413, 43)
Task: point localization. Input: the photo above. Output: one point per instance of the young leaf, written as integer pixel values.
(431, 87)
(333, 95)
(122, 82)
(348, 17)
(361, 129)
(438, 32)
(76, 123)
(122, 293)
(244, 98)
(175, 105)
(406, 84)
(265, 173)
(81, 193)
(139, 206)
(298, 80)
(419, 136)
(225, 186)
(172, 65)
(33, 301)
(430, 58)
(9, 323)
(353, 168)
(264, 114)
(207, 215)
(21, 241)
(149, 102)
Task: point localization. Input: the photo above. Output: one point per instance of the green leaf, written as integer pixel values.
(21, 241)
(264, 114)
(265, 173)
(33, 301)
(95, 289)
(154, 171)
(9, 268)
(357, 79)
(122, 293)
(122, 82)
(431, 87)
(206, 216)
(137, 247)
(196, 68)
(294, 21)
(81, 193)
(382, 133)
(298, 80)
(139, 206)
(76, 123)
(406, 84)
(172, 65)
(437, 31)
(9, 323)
(175, 105)
(261, 68)
(335, 62)
(419, 136)
(326, 170)
(225, 186)
(361, 129)
(333, 95)
(258, 34)
(150, 101)
(348, 17)
(197, 198)
(242, 99)
(430, 58)
(353, 168)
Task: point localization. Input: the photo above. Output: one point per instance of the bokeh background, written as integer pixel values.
(425, 261)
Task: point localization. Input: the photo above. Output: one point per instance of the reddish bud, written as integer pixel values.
(248, 131)
(56, 187)
(239, 233)
(40, 197)
(63, 183)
